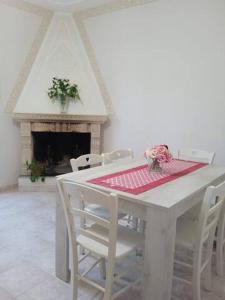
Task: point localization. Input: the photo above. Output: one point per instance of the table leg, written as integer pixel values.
(61, 244)
(159, 254)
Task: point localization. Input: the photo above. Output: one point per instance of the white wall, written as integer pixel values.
(61, 55)
(164, 66)
(18, 29)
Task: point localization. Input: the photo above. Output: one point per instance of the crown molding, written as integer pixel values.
(29, 60)
(80, 17)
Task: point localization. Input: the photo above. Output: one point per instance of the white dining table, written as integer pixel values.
(160, 207)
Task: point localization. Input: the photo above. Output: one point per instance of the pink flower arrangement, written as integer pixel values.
(159, 153)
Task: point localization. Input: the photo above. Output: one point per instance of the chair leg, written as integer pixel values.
(208, 277)
(82, 226)
(74, 291)
(73, 278)
(196, 278)
(220, 258)
(109, 281)
(196, 285)
(102, 266)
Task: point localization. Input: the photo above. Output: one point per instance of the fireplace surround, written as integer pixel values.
(29, 127)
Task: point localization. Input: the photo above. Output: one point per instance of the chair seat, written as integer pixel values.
(127, 241)
(101, 212)
(187, 232)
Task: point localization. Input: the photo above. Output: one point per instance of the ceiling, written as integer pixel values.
(68, 4)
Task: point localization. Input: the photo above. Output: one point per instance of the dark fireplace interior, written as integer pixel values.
(55, 149)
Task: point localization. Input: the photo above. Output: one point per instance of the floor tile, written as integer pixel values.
(8, 258)
(27, 233)
(49, 290)
(4, 295)
(22, 277)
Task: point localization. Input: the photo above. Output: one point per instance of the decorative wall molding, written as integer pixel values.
(108, 8)
(25, 70)
(61, 55)
(27, 7)
(81, 16)
(93, 61)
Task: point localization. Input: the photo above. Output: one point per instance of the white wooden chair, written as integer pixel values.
(103, 240)
(196, 155)
(220, 244)
(91, 160)
(200, 156)
(85, 161)
(198, 235)
(117, 154)
(208, 157)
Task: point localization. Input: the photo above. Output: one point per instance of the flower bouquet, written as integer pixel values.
(156, 155)
(63, 91)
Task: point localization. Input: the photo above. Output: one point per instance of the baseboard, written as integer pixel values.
(25, 185)
(9, 188)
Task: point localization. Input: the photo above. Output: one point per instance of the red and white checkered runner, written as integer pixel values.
(140, 179)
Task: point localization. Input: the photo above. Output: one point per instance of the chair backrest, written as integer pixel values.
(211, 208)
(117, 154)
(196, 155)
(69, 191)
(85, 161)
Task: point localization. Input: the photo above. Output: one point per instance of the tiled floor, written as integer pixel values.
(27, 254)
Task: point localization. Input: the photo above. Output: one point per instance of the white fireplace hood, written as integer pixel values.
(61, 55)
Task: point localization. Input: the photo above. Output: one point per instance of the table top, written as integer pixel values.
(167, 195)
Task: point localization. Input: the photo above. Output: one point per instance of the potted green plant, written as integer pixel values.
(36, 169)
(63, 91)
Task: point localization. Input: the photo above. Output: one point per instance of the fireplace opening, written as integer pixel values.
(55, 149)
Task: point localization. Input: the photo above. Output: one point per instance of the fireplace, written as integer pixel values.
(54, 142)
(55, 149)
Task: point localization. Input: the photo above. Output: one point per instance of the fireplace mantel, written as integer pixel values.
(21, 117)
(56, 123)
